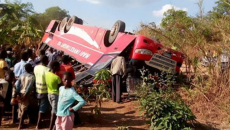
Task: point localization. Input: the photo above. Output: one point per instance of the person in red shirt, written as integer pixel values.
(65, 67)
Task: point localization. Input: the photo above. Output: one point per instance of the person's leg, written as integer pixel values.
(113, 88)
(21, 121)
(53, 99)
(58, 123)
(40, 115)
(68, 122)
(1, 114)
(32, 110)
(14, 114)
(43, 106)
(52, 120)
(118, 88)
(22, 108)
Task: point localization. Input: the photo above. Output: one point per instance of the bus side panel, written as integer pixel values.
(80, 53)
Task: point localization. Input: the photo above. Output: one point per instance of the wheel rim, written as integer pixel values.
(113, 30)
(70, 22)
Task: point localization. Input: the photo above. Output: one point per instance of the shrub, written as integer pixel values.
(100, 89)
(163, 107)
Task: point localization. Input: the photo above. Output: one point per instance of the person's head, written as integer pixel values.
(24, 56)
(55, 66)
(3, 54)
(9, 75)
(67, 79)
(9, 53)
(9, 48)
(65, 59)
(28, 68)
(51, 50)
(44, 60)
(30, 52)
(60, 53)
(42, 53)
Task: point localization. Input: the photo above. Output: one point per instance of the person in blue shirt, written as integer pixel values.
(25, 86)
(65, 111)
(19, 67)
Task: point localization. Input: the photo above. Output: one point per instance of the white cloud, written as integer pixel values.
(92, 1)
(159, 13)
(121, 3)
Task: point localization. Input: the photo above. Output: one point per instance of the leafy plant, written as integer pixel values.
(100, 89)
(163, 107)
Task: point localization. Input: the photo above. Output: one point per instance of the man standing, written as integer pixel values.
(31, 57)
(25, 86)
(37, 60)
(53, 83)
(19, 67)
(66, 67)
(41, 87)
(50, 55)
(118, 69)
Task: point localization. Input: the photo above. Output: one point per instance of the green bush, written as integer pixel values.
(164, 109)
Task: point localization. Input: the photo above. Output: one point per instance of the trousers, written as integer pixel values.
(116, 88)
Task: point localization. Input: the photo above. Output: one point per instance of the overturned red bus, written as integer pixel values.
(94, 48)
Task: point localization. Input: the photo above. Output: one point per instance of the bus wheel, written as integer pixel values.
(63, 24)
(73, 19)
(110, 36)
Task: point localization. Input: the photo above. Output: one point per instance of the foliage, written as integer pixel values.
(199, 38)
(222, 8)
(52, 13)
(24, 26)
(173, 17)
(100, 89)
(20, 28)
(164, 108)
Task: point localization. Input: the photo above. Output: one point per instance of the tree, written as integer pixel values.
(16, 25)
(222, 8)
(174, 18)
(51, 13)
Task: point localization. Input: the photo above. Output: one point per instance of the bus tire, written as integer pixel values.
(73, 19)
(119, 26)
(111, 35)
(63, 24)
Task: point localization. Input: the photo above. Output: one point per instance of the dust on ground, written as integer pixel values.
(113, 115)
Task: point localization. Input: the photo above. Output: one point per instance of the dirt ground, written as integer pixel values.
(113, 116)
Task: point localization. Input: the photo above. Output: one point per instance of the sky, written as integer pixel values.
(104, 13)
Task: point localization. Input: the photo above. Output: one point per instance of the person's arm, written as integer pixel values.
(72, 72)
(30, 85)
(111, 68)
(59, 82)
(18, 84)
(80, 100)
(123, 67)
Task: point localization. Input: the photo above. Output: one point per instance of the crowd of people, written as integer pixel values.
(39, 84)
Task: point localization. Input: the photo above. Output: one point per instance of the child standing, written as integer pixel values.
(67, 96)
(25, 85)
(53, 83)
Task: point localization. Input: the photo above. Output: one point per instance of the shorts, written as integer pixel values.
(64, 122)
(43, 105)
(53, 99)
(23, 106)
